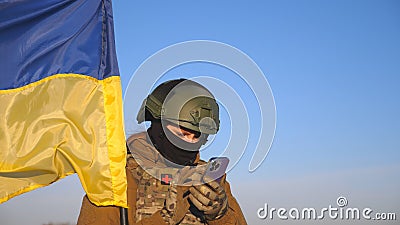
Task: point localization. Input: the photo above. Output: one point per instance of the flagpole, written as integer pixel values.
(123, 216)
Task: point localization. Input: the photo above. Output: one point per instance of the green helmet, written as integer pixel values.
(182, 102)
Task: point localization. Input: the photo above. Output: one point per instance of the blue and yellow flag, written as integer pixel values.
(60, 98)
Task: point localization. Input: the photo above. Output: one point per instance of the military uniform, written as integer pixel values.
(147, 190)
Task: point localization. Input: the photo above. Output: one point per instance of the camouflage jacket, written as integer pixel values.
(143, 209)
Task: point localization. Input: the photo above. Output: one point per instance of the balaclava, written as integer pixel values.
(172, 147)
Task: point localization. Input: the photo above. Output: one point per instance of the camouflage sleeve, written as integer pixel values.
(234, 215)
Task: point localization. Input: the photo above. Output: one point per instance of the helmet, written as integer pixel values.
(182, 102)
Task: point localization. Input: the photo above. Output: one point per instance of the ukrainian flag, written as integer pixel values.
(60, 98)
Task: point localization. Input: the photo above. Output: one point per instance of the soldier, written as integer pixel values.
(166, 184)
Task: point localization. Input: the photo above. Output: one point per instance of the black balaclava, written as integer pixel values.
(172, 147)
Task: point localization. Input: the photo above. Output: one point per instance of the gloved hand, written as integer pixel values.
(176, 205)
(210, 198)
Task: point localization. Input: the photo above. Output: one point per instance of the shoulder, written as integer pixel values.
(141, 150)
(137, 138)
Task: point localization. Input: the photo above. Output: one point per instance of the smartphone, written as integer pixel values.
(216, 168)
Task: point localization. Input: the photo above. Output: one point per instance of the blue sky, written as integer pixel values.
(334, 71)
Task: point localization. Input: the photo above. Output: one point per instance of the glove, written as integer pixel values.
(210, 198)
(176, 205)
(174, 209)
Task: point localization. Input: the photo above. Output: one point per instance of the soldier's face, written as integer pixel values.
(184, 134)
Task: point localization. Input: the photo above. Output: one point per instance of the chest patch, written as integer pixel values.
(166, 178)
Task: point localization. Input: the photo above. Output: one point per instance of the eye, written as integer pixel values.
(177, 132)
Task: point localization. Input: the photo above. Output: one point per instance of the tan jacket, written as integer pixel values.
(100, 215)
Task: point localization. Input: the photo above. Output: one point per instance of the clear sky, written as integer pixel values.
(334, 71)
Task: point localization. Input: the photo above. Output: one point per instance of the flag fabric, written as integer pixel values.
(60, 98)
